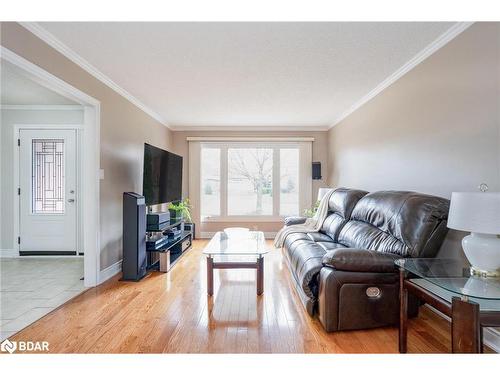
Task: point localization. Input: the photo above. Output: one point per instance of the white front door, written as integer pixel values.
(47, 179)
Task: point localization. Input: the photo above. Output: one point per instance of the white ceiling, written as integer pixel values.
(17, 89)
(198, 75)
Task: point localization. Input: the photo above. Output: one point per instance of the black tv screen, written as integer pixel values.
(162, 178)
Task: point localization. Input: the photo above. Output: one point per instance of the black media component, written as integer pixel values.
(134, 237)
(190, 227)
(316, 170)
(157, 218)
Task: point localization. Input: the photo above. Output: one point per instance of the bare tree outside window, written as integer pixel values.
(254, 166)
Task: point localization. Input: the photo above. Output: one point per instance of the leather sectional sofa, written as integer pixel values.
(345, 273)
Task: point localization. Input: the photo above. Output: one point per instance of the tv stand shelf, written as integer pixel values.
(165, 226)
(164, 251)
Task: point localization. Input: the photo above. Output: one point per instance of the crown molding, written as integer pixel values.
(55, 43)
(42, 107)
(62, 48)
(250, 128)
(250, 139)
(440, 42)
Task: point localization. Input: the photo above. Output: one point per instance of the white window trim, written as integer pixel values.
(305, 180)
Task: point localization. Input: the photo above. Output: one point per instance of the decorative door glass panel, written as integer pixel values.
(47, 177)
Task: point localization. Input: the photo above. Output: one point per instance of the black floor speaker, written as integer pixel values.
(134, 237)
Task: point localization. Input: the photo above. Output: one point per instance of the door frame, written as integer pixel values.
(89, 154)
(79, 178)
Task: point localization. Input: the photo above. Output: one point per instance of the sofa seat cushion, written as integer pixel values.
(318, 236)
(330, 245)
(291, 238)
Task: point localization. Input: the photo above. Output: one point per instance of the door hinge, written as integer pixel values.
(19, 142)
(18, 191)
(19, 240)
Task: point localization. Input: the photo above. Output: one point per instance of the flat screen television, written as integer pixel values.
(162, 178)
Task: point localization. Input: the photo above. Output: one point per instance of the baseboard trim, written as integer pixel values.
(208, 235)
(491, 336)
(110, 271)
(9, 253)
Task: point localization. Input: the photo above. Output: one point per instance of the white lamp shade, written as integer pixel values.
(322, 192)
(475, 212)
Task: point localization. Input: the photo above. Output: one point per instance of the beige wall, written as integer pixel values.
(124, 129)
(319, 153)
(436, 130)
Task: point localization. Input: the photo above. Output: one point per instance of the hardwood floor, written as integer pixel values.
(171, 313)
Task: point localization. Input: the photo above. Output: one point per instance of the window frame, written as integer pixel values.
(276, 147)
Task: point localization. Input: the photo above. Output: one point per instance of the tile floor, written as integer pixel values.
(31, 287)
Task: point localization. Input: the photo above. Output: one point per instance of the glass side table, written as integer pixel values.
(447, 285)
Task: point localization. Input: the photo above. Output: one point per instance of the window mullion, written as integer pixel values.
(224, 181)
(276, 181)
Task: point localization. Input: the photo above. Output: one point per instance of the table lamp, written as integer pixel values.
(478, 213)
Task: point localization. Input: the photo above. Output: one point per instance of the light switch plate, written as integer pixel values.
(101, 174)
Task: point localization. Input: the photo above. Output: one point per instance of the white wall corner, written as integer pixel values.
(110, 271)
(434, 46)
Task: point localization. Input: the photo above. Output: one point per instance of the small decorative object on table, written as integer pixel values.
(181, 210)
(236, 232)
(478, 213)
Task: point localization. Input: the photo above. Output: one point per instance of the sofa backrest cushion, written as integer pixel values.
(405, 223)
(340, 206)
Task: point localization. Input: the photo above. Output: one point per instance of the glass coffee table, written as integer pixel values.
(236, 250)
(470, 301)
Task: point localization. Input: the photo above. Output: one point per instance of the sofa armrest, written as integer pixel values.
(360, 260)
(294, 220)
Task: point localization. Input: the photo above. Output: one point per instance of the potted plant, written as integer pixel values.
(179, 210)
(310, 212)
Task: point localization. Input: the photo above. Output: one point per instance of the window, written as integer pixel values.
(289, 181)
(210, 181)
(252, 181)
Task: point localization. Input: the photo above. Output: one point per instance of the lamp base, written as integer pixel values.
(483, 273)
(483, 253)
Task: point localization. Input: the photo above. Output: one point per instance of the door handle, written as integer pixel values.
(71, 200)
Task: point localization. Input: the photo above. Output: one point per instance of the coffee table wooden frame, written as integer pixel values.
(258, 265)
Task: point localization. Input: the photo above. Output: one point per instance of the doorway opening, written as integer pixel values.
(49, 192)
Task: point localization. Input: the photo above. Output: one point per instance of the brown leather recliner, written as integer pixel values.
(345, 273)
